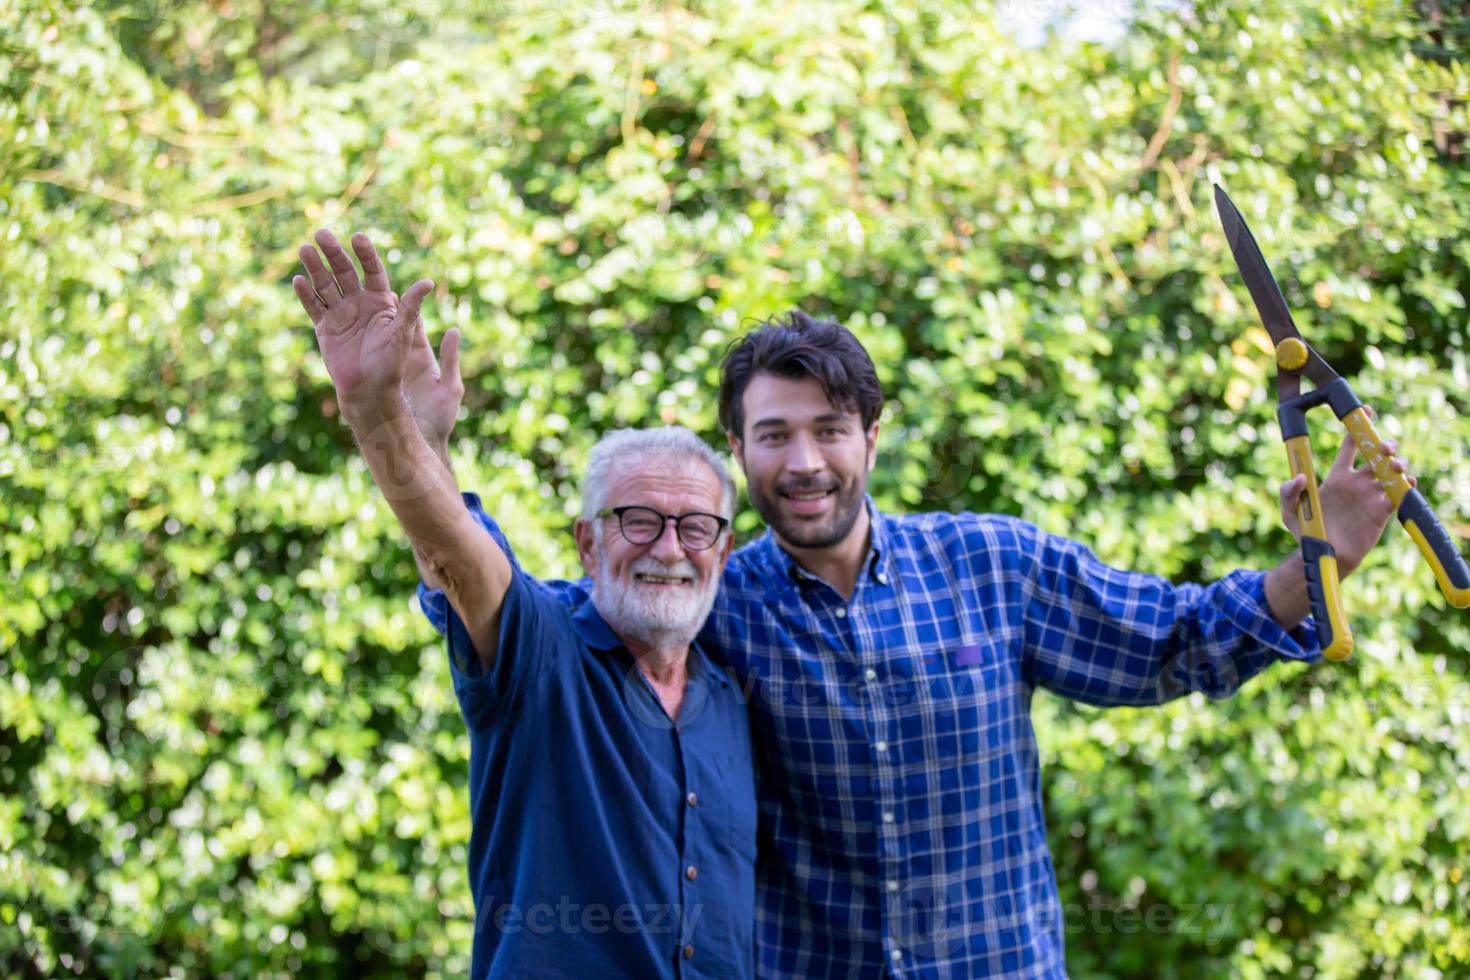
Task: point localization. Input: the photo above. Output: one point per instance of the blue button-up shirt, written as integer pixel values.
(902, 802)
(607, 841)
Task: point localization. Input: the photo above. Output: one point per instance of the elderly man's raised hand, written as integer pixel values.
(433, 385)
(366, 333)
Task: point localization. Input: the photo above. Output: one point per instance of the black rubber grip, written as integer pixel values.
(1416, 509)
(1313, 550)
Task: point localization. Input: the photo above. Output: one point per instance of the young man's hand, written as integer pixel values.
(1355, 508)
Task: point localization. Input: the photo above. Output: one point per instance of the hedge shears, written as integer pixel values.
(1294, 358)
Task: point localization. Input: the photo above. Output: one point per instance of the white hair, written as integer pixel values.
(664, 444)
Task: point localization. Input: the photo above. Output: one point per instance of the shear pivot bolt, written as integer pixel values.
(1291, 354)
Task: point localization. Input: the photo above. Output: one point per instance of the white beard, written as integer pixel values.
(655, 616)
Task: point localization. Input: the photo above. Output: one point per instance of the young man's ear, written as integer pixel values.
(872, 446)
(586, 544)
(733, 441)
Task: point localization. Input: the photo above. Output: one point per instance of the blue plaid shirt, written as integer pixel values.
(902, 829)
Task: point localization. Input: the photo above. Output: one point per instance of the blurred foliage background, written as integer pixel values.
(228, 742)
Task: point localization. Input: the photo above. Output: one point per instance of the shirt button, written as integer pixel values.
(897, 955)
(841, 613)
(689, 952)
(691, 872)
(692, 799)
(881, 746)
(870, 674)
(892, 885)
(888, 816)
(882, 578)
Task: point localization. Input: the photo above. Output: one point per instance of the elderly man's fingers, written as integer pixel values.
(341, 263)
(310, 301)
(374, 276)
(449, 357)
(413, 298)
(321, 277)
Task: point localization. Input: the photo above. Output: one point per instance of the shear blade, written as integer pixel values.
(1265, 291)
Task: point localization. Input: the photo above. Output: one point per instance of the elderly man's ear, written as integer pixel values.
(586, 544)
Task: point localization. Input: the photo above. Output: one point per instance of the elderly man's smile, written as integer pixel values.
(662, 581)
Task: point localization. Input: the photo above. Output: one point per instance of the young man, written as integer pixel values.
(891, 662)
(611, 779)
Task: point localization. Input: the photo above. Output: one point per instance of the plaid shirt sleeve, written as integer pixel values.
(1110, 637)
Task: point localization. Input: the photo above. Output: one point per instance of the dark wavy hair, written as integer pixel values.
(800, 346)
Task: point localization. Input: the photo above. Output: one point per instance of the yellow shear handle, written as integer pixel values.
(1434, 542)
(1323, 586)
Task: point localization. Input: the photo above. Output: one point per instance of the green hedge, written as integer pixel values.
(228, 743)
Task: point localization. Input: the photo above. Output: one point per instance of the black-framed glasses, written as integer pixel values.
(644, 525)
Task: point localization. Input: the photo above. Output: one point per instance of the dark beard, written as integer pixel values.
(812, 534)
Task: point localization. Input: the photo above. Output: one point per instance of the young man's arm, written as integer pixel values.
(367, 340)
(1107, 636)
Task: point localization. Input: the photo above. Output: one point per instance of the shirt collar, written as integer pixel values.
(876, 563)
(594, 631)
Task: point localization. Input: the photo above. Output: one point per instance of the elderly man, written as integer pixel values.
(611, 778)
